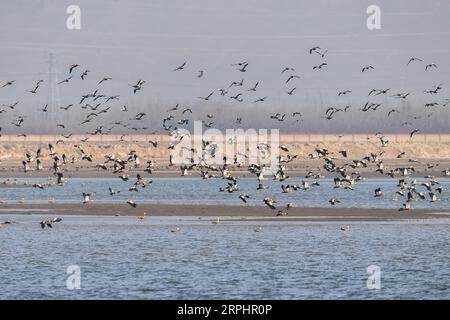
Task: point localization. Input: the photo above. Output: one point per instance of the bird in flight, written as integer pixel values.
(260, 100)
(320, 66)
(292, 77)
(413, 132)
(290, 92)
(314, 49)
(431, 65)
(103, 80)
(207, 97)
(367, 68)
(73, 66)
(180, 67)
(287, 69)
(84, 74)
(254, 87)
(36, 87)
(65, 80)
(413, 59)
(344, 92)
(9, 83)
(243, 68)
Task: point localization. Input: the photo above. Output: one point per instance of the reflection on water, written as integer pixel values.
(123, 259)
(197, 191)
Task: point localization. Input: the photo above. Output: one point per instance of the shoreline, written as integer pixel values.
(254, 212)
(293, 173)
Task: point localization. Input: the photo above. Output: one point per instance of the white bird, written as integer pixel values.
(87, 197)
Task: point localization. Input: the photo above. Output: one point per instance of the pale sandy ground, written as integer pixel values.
(224, 212)
(427, 149)
(433, 150)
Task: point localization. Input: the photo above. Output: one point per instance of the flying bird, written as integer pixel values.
(413, 59)
(181, 67)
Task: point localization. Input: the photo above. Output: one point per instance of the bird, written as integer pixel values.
(200, 73)
(333, 201)
(181, 67)
(287, 69)
(344, 92)
(132, 203)
(292, 77)
(378, 192)
(36, 87)
(367, 68)
(244, 197)
(142, 217)
(65, 80)
(270, 203)
(243, 68)
(8, 83)
(290, 92)
(49, 223)
(392, 111)
(320, 66)
(254, 87)
(314, 49)
(113, 192)
(413, 132)
(103, 80)
(260, 100)
(87, 197)
(405, 207)
(413, 59)
(431, 65)
(207, 97)
(84, 74)
(72, 67)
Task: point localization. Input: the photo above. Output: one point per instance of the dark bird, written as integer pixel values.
(132, 203)
(392, 111)
(344, 92)
(243, 68)
(320, 66)
(9, 83)
(65, 80)
(287, 69)
(36, 87)
(260, 100)
(314, 49)
(84, 74)
(367, 68)
(292, 77)
(254, 87)
(413, 132)
(413, 59)
(207, 97)
(103, 80)
(430, 66)
(180, 67)
(291, 91)
(73, 66)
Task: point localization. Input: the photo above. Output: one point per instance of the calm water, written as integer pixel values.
(120, 258)
(196, 191)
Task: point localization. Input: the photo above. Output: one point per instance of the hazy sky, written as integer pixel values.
(130, 40)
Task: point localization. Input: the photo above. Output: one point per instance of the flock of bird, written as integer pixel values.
(338, 164)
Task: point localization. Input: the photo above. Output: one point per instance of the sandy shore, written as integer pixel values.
(14, 172)
(247, 212)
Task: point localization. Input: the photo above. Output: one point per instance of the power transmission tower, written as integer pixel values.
(53, 98)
